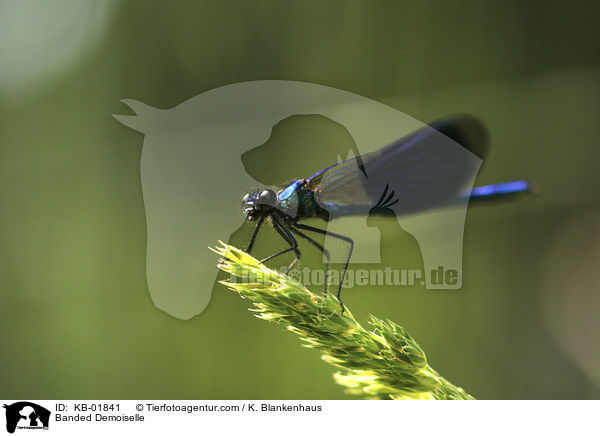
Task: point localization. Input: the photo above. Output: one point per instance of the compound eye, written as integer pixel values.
(268, 197)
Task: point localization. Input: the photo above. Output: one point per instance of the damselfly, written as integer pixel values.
(425, 170)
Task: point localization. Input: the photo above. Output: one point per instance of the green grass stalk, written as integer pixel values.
(383, 362)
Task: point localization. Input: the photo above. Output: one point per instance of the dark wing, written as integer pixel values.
(424, 170)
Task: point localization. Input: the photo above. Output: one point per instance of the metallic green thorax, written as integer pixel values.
(297, 200)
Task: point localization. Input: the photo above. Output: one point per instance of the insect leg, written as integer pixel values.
(255, 233)
(342, 238)
(288, 237)
(319, 246)
(298, 254)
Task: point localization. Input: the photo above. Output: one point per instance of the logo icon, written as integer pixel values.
(26, 415)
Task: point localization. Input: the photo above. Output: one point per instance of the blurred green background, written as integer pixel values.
(76, 319)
